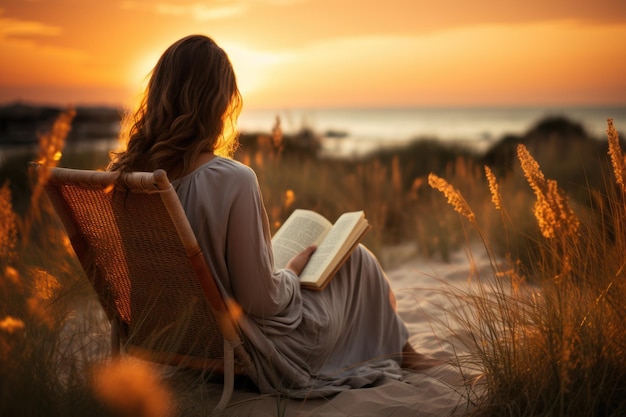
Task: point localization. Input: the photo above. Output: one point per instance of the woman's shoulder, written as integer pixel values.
(230, 164)
(233, 168)
(224, 170)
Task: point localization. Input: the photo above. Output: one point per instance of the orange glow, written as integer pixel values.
(325, 53)
(10, 324)
(234, 309)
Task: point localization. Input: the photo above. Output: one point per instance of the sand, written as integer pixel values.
(439, 391)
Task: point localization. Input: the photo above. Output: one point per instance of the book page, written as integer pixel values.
(302, 229)
(326, 251)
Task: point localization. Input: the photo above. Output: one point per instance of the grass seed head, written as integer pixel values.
(616, 154)
(455, 199)
(494, 189)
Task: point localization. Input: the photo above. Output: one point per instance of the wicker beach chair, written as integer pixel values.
(134, 241)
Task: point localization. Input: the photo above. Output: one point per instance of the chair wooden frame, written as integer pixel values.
(98, 212)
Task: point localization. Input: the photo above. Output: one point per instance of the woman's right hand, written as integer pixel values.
(299, 261)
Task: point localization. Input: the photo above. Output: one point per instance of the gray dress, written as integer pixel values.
(303, 343)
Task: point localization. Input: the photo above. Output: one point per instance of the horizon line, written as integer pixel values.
(34, 103)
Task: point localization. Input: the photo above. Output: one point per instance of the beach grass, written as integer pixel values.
(54, 337)
(37, 274)
(550, 334)
(547, 327)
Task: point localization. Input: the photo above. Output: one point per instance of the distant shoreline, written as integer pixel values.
(20, 124)
(343, 131)
(443, 123)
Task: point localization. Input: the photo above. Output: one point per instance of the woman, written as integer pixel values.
(302, 342)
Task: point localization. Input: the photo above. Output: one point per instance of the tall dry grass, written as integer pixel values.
(390, 186)
(550, 334)
(53, 335)
(32, 320)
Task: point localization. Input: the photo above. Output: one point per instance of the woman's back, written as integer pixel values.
(225, 209)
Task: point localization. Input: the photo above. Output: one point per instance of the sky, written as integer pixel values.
(325, 53)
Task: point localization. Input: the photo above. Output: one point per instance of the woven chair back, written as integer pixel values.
(131, 235)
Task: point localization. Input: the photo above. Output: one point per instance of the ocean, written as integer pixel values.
(349, 132)
(355, 131)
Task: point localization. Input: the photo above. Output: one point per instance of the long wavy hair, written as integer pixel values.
(190, 106)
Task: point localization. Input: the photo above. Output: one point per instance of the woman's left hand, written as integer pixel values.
(299, 261)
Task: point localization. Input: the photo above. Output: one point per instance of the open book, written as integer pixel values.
(334, 243)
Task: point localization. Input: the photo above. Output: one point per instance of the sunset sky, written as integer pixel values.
(314, 53)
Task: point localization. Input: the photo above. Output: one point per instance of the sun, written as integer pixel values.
(252, 67)
(139, 73)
